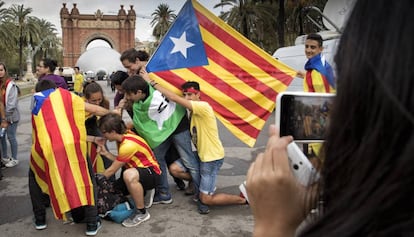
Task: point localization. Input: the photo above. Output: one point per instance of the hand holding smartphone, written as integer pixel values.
(303, 115)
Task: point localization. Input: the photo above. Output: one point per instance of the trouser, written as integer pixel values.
(40, 201)
(182, 142)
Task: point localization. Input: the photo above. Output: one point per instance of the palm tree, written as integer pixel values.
(48, 43)
(5, 31)
(27, 29)
(163, 17)
(253, 19)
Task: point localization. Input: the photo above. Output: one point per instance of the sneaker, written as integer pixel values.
(180, 184)
(92, 229)
(162, 199)
(202, 208)
(12, 163)
(149, 198)
(135, 219)
(39, 223)
(190, 189)
(6, 160)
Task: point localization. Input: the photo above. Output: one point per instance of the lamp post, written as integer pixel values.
(29, 60)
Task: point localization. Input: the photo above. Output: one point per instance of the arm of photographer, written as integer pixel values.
(276, 198)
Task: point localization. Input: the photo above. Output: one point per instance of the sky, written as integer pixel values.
(49, 10)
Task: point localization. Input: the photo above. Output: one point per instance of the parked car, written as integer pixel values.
(68, 74)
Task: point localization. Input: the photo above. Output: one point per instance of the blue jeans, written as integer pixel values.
(209, 172)
(182, 142)
(11, 136)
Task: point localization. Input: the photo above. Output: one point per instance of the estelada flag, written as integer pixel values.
(58, 153)
(237, 78)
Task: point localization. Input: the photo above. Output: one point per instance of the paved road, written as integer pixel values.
(177, 219)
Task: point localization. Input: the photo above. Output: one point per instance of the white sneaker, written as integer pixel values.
(149, 198)
(12, 163)
(6, 160)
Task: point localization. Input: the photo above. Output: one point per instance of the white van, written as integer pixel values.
(68, 74)
(334, 15)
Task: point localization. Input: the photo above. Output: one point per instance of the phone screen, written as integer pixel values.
(305, 117)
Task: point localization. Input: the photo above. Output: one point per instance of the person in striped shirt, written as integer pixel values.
(140, 168)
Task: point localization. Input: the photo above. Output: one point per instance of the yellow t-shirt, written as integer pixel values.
(203, 126)
(77, 85)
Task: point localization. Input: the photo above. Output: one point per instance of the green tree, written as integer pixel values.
(47, 44)
(6, 31)
(27, 29)
(253, 19)
(163, 17)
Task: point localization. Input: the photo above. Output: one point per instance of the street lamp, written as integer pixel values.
(30, 54)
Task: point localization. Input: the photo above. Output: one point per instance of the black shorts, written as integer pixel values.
(147, 177)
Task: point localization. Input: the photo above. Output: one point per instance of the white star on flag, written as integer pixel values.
(181, 44)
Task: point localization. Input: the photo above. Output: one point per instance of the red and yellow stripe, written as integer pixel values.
(240, 82)
(58, 154)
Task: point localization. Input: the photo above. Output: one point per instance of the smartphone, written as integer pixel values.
(304, 115)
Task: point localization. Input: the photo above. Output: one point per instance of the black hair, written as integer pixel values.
(191, 84)
(50, 63)
(112, 122)
(132, 54)
(134, 83)
(316, 37)
(118, 77)
(93, 87)
(44, 85)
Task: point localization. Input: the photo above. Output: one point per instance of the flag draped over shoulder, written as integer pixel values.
(156, 118)
(58, 153)
(238, 79)
(319, 75)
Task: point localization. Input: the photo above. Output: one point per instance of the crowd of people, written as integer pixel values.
(146, 153)
(365, 161)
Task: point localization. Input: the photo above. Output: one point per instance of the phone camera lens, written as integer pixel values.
(295, 166)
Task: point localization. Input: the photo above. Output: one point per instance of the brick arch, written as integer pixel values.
(102, 36)
(78, 30)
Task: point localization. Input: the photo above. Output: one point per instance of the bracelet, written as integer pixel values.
(94, 139)
(153, 83)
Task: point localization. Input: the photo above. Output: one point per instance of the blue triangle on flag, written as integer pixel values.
(182, 46)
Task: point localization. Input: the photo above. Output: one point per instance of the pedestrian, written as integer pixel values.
(78, 83)
(319, 77)
(366, 176)
(59, 167)
(205, 137)
(45, 70)
(10, 94)
(140, 169)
